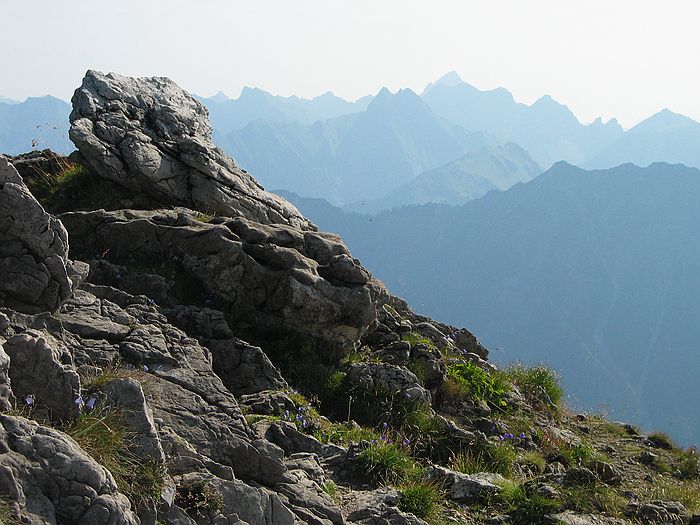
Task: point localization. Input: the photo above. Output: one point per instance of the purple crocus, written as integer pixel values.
(145, 368)
(29, 400)
(406, 442)
(91, 403)
(79, 402)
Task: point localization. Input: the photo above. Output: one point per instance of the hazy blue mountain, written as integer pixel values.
(665, 136)
(36, 123)
(467, 178)
(355, 156)
(255, 104)
(4, 100)
(547, 129)
(594, 272)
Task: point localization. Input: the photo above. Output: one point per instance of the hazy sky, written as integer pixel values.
(624, 58)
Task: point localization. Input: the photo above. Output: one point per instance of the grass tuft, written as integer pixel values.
(420, 498)
(198, 498)
(540, 385)
(479, 384)
(386, 464)
(490, 458)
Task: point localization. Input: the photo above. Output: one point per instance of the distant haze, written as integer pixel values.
(625, 59)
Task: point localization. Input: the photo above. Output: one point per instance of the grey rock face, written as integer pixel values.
(391, 379)
(53, 480)
(7, 398)
(283, 277)
(465, 487)
(379, 507)
(40, 366)
(571, 518)
(149, 135)
(33, 249)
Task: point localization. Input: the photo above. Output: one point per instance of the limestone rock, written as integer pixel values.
(149, 135)
(33, 249)
(53, 480)
(281, 276)
(379, 507)
(465, 487)
(392, 379)
(41, 367)
(571, 518)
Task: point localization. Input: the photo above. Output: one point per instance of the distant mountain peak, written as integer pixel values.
(450, 79)
(219, 97)
(662, 121)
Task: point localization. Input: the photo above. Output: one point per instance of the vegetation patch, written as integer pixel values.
(386, 464)
(595, 498)
(101, 433)
(421, 498)
(198, 498)
(476, 383)
(526, 508)
(486, 458)
(540, 385)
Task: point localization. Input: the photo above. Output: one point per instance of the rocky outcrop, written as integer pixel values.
(284, 278)
(33, 249)
(53, 481)
(149, 135)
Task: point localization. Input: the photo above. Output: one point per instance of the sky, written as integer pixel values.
(612, 58)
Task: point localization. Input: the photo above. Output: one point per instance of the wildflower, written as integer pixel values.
(407, 395)
(406, 442)
(91, 403)
(522, 435)
(385, 426)
(145, 368)
(79, 402)
(29, 400)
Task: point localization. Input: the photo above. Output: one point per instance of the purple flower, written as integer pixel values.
(500, 438)
(383, 437)
(79, 401)
(145, 368)
(407, 395)
(522, 435)
(385, 425)
(29, 400)
(91, 403)
(406, 442)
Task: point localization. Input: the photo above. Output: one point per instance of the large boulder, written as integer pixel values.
(51, 480)
(281, 277)
(33, 249)
(149, 135)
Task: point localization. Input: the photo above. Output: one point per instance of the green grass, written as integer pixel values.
(204, 217)
(415, 338)
(595, 498)
(524, 508)
(533, 459)
(342, 434)
(421, 499)
(6, 517)
(689, 464)
(664, 489)
(198, 497)
(330, 488)
(490, 458)
(102, 435)
(540, 385)
(661, 440)
(110, 373)
(385, 464)
(582, 455)
(479, 384)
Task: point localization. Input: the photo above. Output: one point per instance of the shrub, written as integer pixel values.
(523, 507)
(385, 463)
(479, 384)
(539, 384)
(420, 498)
(198, 497)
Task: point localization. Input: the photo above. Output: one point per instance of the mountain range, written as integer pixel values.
(593, 272)
(395, 149)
